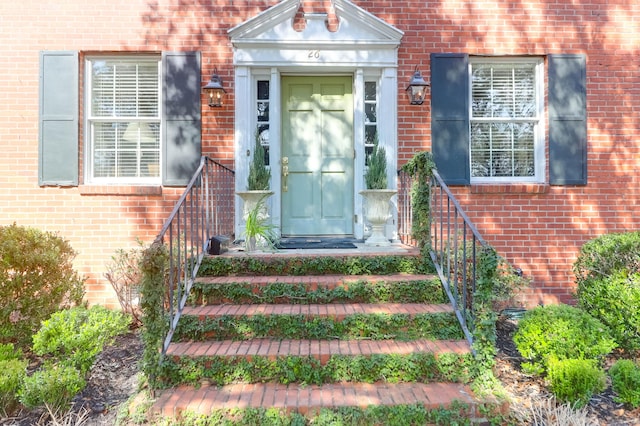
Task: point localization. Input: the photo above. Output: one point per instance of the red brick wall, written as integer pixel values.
(539, 229)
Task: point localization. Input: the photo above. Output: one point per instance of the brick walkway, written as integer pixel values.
(307, 399)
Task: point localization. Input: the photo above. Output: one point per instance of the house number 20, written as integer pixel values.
(314, 54)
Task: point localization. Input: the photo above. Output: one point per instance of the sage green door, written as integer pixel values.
(317, 148)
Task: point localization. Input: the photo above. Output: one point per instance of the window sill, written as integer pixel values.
(510, 188)
(120, 190)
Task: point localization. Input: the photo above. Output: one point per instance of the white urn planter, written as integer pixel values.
(377, 212)
(250, 201)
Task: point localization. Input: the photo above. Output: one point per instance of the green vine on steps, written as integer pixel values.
(420, 168)
(153, 266)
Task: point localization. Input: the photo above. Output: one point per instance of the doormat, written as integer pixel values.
(315, 243)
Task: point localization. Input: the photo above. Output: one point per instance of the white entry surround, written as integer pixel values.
(267, 47)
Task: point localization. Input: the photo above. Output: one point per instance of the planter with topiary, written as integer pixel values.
(377, 196)
(257, 184)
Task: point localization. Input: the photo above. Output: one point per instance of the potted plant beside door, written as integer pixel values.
(377, 196)
(254, 198)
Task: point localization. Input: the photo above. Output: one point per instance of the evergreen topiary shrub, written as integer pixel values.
(608, 277)
(560, 332)
(259, 173)
(37, 278)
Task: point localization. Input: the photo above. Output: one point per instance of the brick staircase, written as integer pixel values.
(266, 332)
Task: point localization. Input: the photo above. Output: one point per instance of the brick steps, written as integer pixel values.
(319, 349)
(308, 400)
(334, 310)
(246, 336)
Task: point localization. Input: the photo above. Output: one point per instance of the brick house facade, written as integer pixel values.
(584, 184)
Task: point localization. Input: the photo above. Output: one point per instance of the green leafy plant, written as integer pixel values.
(76, 336)
(258, 231)
(370, 326)
(305, 265)
(560, 332)
(36, 279)
(608, 276)
(625, 381)
(423, 291)
(12, 373)
(53, 386)
(259, 173)
(392, 368)
(575, 380)
(376, 174)
(420, 168)
(155, 327)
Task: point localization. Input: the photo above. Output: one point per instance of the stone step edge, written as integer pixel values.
(339, 311)
(309, 399)
(319, 280)
(322, 350)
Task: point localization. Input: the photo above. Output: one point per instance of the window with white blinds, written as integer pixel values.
(506, 110)
(123, 120)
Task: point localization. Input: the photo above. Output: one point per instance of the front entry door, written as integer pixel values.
(317, 149)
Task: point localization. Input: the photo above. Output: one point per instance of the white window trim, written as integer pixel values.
(539, 129)
(89, 120)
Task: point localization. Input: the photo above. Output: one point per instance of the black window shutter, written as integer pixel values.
(181, 116)
(450, 116)
(58, 119)
(567, 120)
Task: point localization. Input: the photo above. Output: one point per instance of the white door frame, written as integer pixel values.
(266, 47)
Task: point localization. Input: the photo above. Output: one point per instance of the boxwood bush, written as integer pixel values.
(625, 380)
(576, 380)
(560, 332)
(76, 336)
(608, 276)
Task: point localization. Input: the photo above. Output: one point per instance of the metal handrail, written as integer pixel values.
(205, 210)
(454, 251)
(454, 248)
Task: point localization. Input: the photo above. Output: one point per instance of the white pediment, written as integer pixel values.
(274, 26)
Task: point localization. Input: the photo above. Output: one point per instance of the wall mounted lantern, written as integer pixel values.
(417, 89)
(214, 90)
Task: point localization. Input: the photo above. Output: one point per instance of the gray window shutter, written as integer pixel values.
(450, 116)
(181, 116)
(567, 120)
(58, 119)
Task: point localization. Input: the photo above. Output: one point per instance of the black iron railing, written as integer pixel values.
(204, 211)
(455, 245)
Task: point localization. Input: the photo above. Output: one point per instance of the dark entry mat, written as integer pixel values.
(315, 243)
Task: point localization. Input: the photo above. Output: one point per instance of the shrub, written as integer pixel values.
(608, 276)
(625, 380)
(76, 336)
(12, 372)
(36, 279)
(8, 352)
(563, 332)
(124, 274)
(614, 300)
(53, 386)
(608, 254)
(575, 380)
